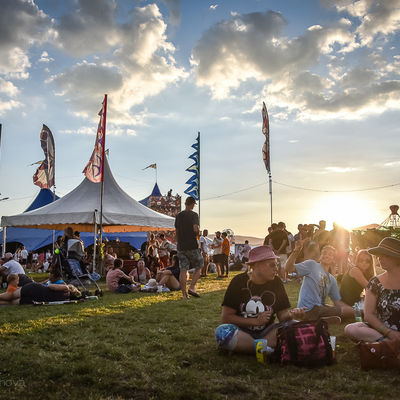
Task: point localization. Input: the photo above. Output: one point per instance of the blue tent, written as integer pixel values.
(34, 239)
(156, 192)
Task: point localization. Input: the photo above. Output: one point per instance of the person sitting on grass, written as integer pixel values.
(140, 273)
(55, 277)
(118, 282)
(318, 283)
(250, 305)
(169, 277)
(37, 292)
(356, 280)
(382, 298)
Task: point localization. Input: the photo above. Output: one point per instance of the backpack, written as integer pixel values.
(304, 344)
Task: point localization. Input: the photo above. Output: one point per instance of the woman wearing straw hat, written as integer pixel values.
(250, 305)
(382, 298)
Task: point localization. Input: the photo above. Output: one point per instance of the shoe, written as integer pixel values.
(193, 293)
(333, 320)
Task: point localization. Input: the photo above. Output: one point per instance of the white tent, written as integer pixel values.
(80, 209)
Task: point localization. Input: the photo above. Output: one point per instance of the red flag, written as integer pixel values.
(265, 130)
(95, 167)
(44, 175)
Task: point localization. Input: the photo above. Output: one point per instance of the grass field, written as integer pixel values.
(156, 346)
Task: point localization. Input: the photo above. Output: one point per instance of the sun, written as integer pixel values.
(347, 209)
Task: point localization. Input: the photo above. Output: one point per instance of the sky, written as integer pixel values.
(328, 71)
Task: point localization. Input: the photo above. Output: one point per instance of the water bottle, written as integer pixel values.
(262, 350)
(91, 298)
(357, 312)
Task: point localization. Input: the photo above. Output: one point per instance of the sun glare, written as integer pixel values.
(346, 209)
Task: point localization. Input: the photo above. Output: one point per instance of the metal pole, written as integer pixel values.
(94, 241)
(54, 199)
(270, 193)
(199, 177)
(3, 251)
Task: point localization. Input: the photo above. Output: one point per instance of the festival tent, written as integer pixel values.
(33, 238)
(80, 209)
(156, 192)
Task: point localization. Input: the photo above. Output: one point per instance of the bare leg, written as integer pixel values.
(245, 343)
(360, 331)
(195, 277)
(182, 281)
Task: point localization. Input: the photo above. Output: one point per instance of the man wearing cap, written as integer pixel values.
(250, 305)
(189, 254)
(382, 298)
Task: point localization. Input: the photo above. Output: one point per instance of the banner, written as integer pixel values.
(193, 182)
(44, 175)
(95, 167)
(265, 131)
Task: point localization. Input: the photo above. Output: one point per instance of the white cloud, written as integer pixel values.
(341, 170)
(8, 88)
(22, 25)
(140, 64)
(213, 7)
(44, 58)
(8, 105)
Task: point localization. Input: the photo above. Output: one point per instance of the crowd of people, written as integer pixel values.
(334, 280)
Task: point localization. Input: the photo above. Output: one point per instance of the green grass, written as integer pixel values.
(156, 346)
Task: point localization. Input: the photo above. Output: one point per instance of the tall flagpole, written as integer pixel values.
(266, 150)
(102, 178)
(198, 172)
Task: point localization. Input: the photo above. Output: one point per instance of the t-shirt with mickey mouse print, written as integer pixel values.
(249, 299)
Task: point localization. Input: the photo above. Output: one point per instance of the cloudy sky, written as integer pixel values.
(328, 71)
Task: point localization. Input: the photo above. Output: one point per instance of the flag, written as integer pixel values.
(150, 166)
(194, 180)
(265, 131)
(95, 167)
(44, 175)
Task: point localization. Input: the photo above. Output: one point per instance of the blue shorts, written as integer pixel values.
(189, 259)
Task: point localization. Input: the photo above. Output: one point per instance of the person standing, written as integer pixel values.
(163, 252)
(226, 249)
(204, 243)
(23, 256)
(217, 252)
(279, 241)
(189, 254)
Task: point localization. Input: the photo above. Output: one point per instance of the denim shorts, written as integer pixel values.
(189, 259)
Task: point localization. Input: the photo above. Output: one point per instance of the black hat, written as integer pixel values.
(389, 246)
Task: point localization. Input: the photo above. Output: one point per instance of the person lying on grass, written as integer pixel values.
(382, 298)
(251, 302)
(118, 282)
(37, 292)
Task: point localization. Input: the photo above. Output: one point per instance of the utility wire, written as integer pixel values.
(303, 188)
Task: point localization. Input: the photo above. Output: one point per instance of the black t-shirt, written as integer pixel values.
(186, 236)
(277, 237)
(249, 299)
(35, 291)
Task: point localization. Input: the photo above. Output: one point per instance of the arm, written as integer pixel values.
(292, 258)
(283, 246)
(371, 317)
(58, 288)
(287, 314)
(229, 316)
(196, 229)
(358, 276)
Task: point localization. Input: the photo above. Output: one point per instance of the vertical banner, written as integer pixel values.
(95, 167)
(194, 181)
(265, 131)
(44, 175)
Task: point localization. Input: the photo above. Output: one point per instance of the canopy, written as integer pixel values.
(156, 192)
(80, 209)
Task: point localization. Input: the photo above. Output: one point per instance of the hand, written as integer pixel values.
(263, 318)
(393, 335)
(297, 313)
(298, 245)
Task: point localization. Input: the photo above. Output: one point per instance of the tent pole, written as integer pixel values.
(54, 232)
(101, 224)
(94, 242)
(4, 241)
